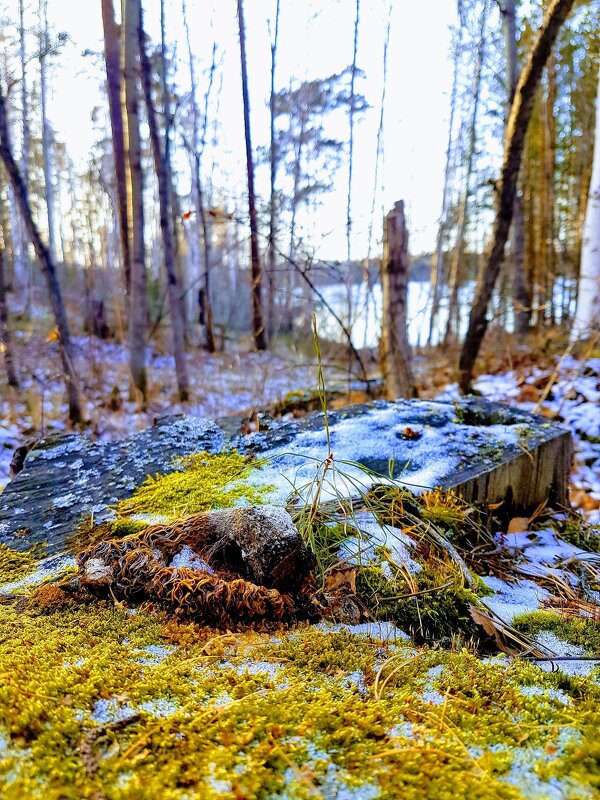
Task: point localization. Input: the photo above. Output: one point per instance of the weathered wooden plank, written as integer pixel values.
(489, 453)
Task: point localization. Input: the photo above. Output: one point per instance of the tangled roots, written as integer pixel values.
(256, 567)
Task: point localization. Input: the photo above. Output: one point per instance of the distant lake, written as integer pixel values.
(365, 315)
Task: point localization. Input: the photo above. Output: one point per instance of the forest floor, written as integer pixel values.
(536, 377)
(107, 698)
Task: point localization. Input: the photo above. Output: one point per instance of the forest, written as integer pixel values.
(299, 399)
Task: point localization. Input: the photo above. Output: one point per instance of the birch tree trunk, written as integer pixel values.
(138, 302)
(437, 266)
(205, 315)
(453, 321)
(395, 351)
(258, 324)
(273, 165)
(351, 111)
(587, 317)
(112, 58)
(516, 130)
(47, 266)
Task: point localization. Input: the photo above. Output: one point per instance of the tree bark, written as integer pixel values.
(521, 290)
(112, 58)
(24, 267)
(587, 317)
(395, 350)
(5, 339)
(437, 265)
(205, 315)
(516, 131)
(453, 321)
(258, 324)
(351, 111)
(161, 167)
(48, 268)
(273, 164)
(138, 302)
(46, 132)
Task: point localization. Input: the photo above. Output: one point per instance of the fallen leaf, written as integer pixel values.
(341, 577)
(518, 525)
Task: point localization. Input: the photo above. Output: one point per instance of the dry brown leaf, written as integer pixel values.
(492, 629)
(529, 394)
(518, 525)
(582, 499)
(345, 576)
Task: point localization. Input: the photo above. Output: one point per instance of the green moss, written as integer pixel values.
(15, 565)
(445, 509)
(201, 482)
(223, 716)
(436, 612)
(580, 533)
(87, 533)
(582, 632)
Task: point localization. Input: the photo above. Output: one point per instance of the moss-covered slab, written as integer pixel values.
(66, 479)
(489, 453)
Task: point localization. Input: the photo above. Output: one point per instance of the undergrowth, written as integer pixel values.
(578, 631)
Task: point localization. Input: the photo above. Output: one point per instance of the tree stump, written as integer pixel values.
(395, 351)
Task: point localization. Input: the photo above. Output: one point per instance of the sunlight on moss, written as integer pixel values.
(202, 482)
(97, 701)
(15, 565)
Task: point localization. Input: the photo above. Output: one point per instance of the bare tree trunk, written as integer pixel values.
(453, 321)
(351, 111)
(516, 131)
(5, 339)
(521, 290)
(273, 164)
(112, 57)
(46, 132)
(550, 192)
(161, 167)
(24, 266)
(437, 266)
(138, 301)
(205, 316)
(47, 266)
(587, 318)
(258, 324)
(395, 350)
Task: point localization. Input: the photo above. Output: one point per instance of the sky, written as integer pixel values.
(315, 40)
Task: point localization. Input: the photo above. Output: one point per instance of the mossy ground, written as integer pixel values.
(98, 701)
(15, 565)
(580, 631)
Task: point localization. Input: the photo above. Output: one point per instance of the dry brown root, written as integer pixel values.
(259, 543)
(200, 595)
